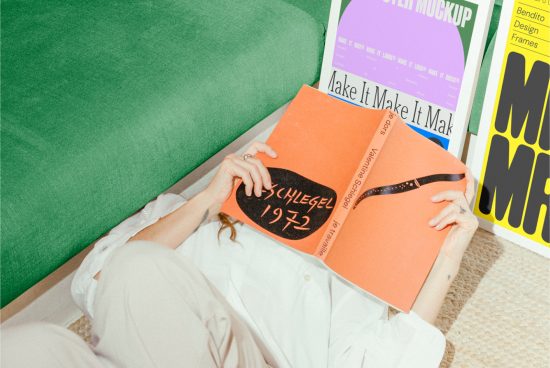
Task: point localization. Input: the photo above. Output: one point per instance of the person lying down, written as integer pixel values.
(167, 288)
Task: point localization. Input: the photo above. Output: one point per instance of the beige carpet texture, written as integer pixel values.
(497, 312)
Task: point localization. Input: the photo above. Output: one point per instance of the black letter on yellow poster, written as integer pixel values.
(522, 99)
(504, 184)
(538, 198)
(545, 131)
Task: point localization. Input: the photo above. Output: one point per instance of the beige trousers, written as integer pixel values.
(153, 308)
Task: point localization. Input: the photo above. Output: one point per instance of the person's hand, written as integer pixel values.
(246, 167)
(463, 224)
(458, 215)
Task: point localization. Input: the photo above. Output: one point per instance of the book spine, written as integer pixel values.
(354, 188)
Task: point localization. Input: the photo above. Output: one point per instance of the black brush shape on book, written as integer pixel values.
(294, 208)
(407, 185)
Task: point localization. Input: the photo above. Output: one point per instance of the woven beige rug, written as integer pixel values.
(497, 313)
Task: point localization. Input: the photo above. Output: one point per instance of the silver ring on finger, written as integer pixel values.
(462, 210)
(246, 156)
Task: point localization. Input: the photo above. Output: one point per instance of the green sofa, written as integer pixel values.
(106, 104)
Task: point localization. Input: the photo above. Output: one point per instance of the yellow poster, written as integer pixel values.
(512, 152)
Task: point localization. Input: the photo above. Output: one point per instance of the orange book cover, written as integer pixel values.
(353, 187)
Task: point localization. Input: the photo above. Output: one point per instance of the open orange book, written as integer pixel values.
(353, 187)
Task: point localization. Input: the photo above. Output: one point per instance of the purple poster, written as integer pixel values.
(405, 55)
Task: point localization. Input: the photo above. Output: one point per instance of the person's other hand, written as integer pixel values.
(458, 215)
(246, 167)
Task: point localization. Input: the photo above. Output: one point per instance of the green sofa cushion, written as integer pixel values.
(105, 104)
(318, 9)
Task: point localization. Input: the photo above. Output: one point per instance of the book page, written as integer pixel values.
(386, 245)
(320, 141)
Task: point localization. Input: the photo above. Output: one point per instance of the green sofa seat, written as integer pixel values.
(106, 104)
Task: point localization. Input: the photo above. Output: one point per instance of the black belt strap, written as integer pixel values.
(408, 185)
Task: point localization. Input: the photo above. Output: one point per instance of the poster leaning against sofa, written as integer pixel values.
(512, 154)
(419, 58)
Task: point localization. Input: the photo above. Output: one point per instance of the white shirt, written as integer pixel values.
(303, 314)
